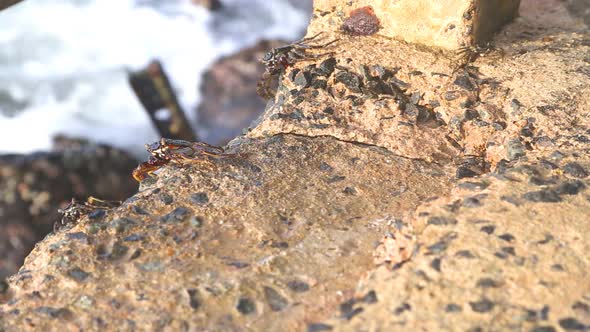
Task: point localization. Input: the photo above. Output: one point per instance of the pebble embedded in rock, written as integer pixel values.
(194, 301)
(570, 187)
(166, 198)
(275, 301)
(442, 221)
(177, 215)
(319, 327)
(200, 198)
(350, 80)
(488, 229)
(298, 286)
(572, 324)
(302, 79)
(515, 149)
(576, 170)
(246, 306)
(78, 274)
(546, 196)
(327, 66)
(482, 306)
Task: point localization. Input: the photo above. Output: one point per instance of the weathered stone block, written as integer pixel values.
(448, 24)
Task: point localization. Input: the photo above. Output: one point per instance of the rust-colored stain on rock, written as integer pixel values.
(361, 22)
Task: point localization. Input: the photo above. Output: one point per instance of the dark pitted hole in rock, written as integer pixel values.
(507, 237)
(537, 315)
(319, 327)
(435, 264)
(465, 254)
(298, 286)
(78, 236)
(501, 255)
(177, 215)
(275, 301)
(78, 274)
(61, 313)
(97, 214)
(473, 202)
(197, 221)
(543, 329)
(442, 244)
(453, 307)
(547, 164)
(328, 110)
(200, 198)
(361, 22)
(576, 170)
(557, 267)
(573, 187)
(246, 306)
(548, 238)
(138, 210)
(578, 306)
(350, 80)
(134, 238)
(335, 178)
(572, 324)
(482, 306)
(135, 254)
(465, 172)
(509, 251)
(510, 199)
(122, 224)
(489, 229)
(194, 300)
(545, 196)
(166, 198)
(237, 264)
(280, 245)
(118, 251)
(473, 185)
(349, 191)
(370, 297)
(488, 283)
(302, 79)
(402, 308)
(539, 181)
(441, 221)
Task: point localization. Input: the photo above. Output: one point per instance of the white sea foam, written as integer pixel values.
(63, 63)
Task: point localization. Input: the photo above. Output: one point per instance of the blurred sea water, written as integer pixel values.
(64, 64)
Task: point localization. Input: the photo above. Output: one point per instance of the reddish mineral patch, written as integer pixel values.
(361, 22)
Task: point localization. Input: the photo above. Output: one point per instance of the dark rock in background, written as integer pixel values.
(229, 99)
(34, 186)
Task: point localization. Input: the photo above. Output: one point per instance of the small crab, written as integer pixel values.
(177, 151)
(76, 210)
(278, 59)
(468, 54)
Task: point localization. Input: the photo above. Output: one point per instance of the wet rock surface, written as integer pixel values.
(386, 187)
(33, 187)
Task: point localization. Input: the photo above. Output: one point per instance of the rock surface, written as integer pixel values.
(385, 189)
